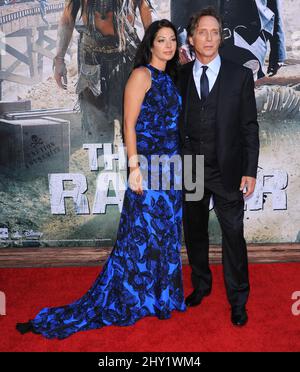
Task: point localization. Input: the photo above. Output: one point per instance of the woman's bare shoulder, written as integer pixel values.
(141, 72)
(140, 76)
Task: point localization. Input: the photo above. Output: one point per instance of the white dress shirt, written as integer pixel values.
(212, 72)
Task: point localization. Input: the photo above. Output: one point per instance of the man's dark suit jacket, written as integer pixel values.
(237, 139)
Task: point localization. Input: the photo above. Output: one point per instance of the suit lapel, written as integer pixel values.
(187, 94)
(186, 85)
(224, 87)
(185, 89)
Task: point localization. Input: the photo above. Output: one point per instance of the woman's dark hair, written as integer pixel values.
(144, 54)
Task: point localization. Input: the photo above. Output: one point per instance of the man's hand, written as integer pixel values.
(60, 72)
(273, 68)
(248, 183)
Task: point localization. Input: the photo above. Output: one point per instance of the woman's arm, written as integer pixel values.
(137, 86)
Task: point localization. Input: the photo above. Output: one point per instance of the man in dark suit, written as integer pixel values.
(248, 26)
(219, 121)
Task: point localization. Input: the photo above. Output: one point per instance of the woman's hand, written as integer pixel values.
(136, 181)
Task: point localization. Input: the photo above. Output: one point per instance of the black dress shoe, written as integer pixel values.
(195, 298)
(239, 316)
(25, 328)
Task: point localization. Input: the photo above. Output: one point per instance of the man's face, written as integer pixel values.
(206, 38)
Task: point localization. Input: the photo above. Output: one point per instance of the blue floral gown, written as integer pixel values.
(143, 275)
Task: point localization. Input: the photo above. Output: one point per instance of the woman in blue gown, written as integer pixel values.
(143, 275)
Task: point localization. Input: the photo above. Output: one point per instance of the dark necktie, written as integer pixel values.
(204, 85)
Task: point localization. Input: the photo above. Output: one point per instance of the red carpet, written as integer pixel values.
(271, 326)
